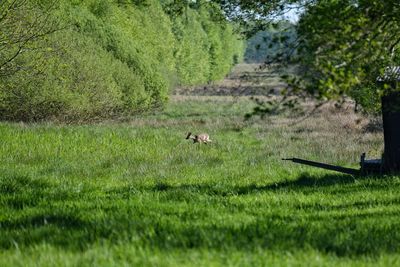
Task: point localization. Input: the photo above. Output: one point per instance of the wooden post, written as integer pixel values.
(391, 131)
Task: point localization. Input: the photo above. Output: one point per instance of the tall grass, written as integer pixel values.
(137, 194)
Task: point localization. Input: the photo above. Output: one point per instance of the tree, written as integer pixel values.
(22, 23)
(344, 47)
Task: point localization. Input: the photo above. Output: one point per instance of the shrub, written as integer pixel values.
(109, 57)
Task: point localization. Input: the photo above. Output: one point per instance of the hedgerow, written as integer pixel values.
(98, 59)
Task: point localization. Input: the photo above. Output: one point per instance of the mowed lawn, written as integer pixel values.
(137, 193)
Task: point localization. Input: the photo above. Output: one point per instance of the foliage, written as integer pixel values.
(206, 46)
(145, 45)
(255, 16)
(269, 45)
(100, 59)
(22, 23)
(192, 51)
(345, 46)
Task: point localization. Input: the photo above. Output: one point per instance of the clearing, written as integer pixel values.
(136, 193)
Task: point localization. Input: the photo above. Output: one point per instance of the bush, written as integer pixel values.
(111, 57)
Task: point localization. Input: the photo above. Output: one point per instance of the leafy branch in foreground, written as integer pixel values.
(345, 45)
(341, 48)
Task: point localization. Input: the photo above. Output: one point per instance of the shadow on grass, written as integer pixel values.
(116, 218)
(306, 183)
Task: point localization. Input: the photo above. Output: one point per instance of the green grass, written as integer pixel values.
(137, 194)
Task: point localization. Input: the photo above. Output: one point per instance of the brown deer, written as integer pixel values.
(201, 138)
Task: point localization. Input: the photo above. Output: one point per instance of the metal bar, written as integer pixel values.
(325, 166)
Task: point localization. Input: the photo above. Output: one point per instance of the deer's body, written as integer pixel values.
(201, 138)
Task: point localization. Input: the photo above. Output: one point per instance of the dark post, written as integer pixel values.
(391, 131)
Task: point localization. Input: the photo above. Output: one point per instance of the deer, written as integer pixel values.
(201, 138)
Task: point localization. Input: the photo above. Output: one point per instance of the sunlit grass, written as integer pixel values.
(137, 193)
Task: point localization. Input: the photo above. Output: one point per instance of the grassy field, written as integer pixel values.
(137, 193)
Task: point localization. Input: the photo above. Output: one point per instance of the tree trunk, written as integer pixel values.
(391, 131)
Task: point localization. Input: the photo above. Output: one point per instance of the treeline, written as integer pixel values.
(271, 45)
(91, 59)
